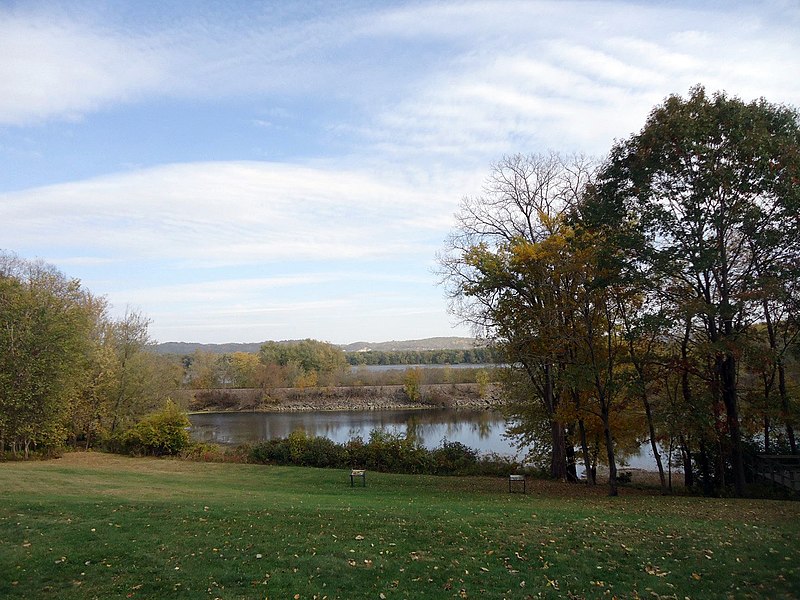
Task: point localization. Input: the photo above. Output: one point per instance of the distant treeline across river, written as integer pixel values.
(472, 356)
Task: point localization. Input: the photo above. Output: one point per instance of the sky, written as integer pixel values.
(242, 171)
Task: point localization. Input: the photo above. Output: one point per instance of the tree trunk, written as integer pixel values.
(787, 422)
(686, 459)
(558, 462)
(612, 465)
(572, 471)
(708, 487)
(787, 419)
(653, 443)
(587, 459)
(728, 379)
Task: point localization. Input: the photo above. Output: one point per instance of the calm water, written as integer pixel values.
(479, 429)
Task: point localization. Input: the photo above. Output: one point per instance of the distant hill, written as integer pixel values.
(435, 343)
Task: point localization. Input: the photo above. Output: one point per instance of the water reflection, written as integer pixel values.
(479, 429)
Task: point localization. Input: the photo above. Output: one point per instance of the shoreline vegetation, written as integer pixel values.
(333, 398)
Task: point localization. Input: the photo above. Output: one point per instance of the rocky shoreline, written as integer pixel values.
(383, 397)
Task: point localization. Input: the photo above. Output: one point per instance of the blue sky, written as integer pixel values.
(249, 171)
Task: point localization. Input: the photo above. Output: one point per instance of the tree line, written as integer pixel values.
(473, 356)
(69, 372)
(313, 363)
(651, 295)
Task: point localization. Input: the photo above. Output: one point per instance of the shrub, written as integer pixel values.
(357, 453)
(205, 452)
(325, 453)
(272, 451)
(165, 432)
(299, 449)
(497, 465)
(412, 384)
(454, 458)
(385, 451)
(213, 398)
(395, 453)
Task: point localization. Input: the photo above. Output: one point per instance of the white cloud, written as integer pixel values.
(418, 97)
(581, 74)
(539, 58)
(64, 69)
(212, 214)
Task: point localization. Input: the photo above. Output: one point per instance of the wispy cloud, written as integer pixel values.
(382, 117)
(213, 214)
(64, 69)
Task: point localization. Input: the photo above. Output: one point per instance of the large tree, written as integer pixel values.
(44, 326)
(704, 201)
(501, 269)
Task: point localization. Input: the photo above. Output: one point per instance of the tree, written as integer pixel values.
(306, 357)
(245, 367)
(703, 203)
(140, 380)
(513, 299)
(44, 328)
(203, 371)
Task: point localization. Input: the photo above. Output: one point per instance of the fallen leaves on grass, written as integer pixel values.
(653, 570)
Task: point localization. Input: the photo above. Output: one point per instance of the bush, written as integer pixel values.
(213, 398)
(299, 449)
(271, 452)
(165, 432)
(395, 453)
(385, 451)
(205, 452)
(454, 458)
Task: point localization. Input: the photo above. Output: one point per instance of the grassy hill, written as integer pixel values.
(93, 525)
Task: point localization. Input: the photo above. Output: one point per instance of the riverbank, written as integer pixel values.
(367, 397)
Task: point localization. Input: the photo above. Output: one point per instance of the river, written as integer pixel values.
(482, 430)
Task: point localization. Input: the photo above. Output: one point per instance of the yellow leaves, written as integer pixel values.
(654, 570)
(552, 582)
(696, 576)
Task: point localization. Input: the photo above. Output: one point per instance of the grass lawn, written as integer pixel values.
(92, 525)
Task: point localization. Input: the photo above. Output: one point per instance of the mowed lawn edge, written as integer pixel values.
(93, 525)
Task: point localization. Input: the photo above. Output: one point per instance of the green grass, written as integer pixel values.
(103, 526)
